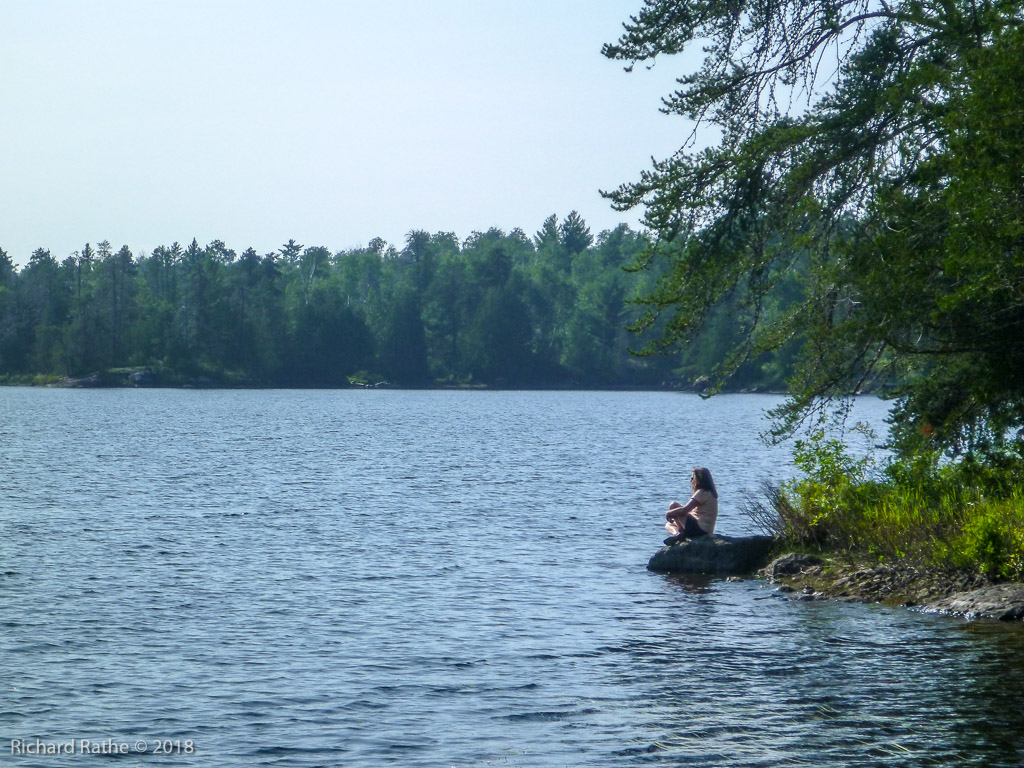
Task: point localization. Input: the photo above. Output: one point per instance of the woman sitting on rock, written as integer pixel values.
(697, 517)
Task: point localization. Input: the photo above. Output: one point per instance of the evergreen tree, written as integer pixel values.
(861, 193)
(403, 345)
(42, 304)
(575, 234)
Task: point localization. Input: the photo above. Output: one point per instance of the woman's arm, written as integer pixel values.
(677, 510)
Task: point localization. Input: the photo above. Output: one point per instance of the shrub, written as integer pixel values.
(965, 516)
(991, 540)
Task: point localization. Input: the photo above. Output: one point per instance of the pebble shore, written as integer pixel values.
(807, 577)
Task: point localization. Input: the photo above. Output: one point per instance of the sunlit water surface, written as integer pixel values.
(366, 578)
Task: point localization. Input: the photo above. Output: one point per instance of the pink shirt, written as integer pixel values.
(706, 511)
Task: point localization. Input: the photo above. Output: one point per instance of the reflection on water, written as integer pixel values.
(694, 583)
(441, 578)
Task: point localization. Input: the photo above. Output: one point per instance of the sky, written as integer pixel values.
(330, 123)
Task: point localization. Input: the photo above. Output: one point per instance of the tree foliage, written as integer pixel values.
(870, 157)
(499, 308)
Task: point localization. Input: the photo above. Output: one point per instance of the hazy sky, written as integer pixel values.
(331, 123)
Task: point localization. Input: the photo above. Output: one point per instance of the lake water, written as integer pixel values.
(368, 578)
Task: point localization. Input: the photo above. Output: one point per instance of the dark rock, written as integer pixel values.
(790, 565)
(714, 554)
(996, 601)
(142, 379)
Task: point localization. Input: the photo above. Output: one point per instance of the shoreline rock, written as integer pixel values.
(91, 381)
(809, 577)
(714, 554)
(1003, 602)
(806, 577)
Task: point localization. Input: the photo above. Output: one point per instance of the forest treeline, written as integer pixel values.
(496, 309)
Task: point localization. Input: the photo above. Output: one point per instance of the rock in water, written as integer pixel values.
(790, 565)
(997, 601)
(714, 554)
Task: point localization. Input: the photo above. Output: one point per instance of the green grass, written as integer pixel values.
(963, 516)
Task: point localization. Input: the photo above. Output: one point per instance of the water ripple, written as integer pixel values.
(440, 578)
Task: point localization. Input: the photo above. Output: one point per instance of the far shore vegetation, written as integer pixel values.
(497, 309)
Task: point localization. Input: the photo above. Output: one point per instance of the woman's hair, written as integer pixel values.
(702, 478)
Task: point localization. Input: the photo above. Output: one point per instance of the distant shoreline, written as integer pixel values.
(147, 379)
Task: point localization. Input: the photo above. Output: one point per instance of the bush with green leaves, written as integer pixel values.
(953, 516)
